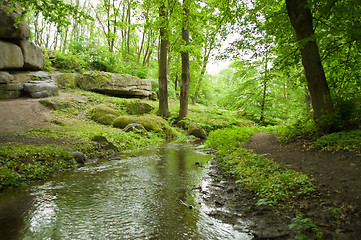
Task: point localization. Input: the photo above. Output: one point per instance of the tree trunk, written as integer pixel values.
(163, 85)
(185, 79)
(301, 20)
(203, 72)
(265, 81)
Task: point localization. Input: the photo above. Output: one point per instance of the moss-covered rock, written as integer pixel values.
(54, 104)
(137, 107)
(104, 114)
(196, 131)
(150, 123)
(113, 84)
(123, 121)
(154, 123)
(66, 80)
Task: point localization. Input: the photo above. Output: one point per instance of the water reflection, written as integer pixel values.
(129, 198)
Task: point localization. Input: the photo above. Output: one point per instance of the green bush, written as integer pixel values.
(341, 140)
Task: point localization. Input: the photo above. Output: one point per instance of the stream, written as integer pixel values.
(152, 194)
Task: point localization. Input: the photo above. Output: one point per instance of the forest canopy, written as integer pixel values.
(288, 58)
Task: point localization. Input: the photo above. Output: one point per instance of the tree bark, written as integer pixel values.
(185, 79)
(301, 20)
(163, 84)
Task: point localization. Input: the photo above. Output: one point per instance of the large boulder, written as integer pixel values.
(33, 55)
(137, 107)
(7, 25)
(196, 131)
(149, 122)
(11, 56)
(103, 114)
(118, 85)
(42, 85)
(66, 80)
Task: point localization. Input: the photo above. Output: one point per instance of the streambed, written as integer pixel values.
(160, 193)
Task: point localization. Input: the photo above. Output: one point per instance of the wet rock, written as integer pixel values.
(136, 128)
(79, 157)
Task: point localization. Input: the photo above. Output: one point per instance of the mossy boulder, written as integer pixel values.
(196, 131)
(150, 123)
(117, 85)
(104, 114)
(154, 123)
(137, 107)
(54, 104)
(66, 80)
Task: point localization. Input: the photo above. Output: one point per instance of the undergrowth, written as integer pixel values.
(20, 164)
(271, 182)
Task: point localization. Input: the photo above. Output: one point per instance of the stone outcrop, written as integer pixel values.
(17, 52)
(7, 25)
(118, 85)
(34, 84)
(11, 56)
(33, 55)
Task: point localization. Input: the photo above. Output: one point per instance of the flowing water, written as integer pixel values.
(143, 196)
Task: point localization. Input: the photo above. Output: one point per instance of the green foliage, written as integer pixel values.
(302, 127)
(271, 182)
(341, 140)
(25, 163)
(70, 62)
(305, 227)
(82, 56)
(228, 139)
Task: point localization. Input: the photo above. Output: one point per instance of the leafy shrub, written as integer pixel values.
(304, 126)
(228, 139)
(341, 140)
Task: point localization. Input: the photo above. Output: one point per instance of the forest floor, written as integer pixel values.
(335, 208)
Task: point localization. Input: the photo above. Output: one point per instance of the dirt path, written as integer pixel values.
(337, 176)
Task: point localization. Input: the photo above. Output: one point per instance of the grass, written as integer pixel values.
(21, 164)
(271, 182)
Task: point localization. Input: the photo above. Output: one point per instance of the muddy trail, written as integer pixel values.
(336, 206)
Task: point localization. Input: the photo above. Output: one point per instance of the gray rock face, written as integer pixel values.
(41, 89)
(7, 26)
(6, 77)
(33, 55)
(119, 85)
(11, 56)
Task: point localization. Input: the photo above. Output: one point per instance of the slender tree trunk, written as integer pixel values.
(301, 20)
(163, 84)
(185, 79)
(203, 72)
(265, 81)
